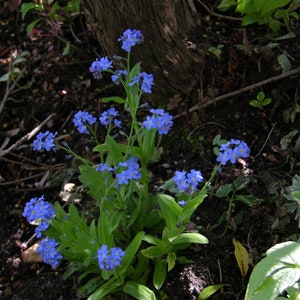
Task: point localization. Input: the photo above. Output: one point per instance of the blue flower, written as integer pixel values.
(38, 209)
(108, 116)
(44, 141)
(187, 182)
(41, 227)
(47, 250)
(103, 167)
(130, 38)
(118, 74)
(194, 178)
(146, 79)
(130, 171)
(159, 120)
(233, 150)
(182, 203)
(147, 82)
(81, 119)
(108, 259)
(98, 66)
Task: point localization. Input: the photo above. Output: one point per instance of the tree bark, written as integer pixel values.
(167, 25)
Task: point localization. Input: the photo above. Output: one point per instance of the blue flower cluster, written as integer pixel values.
(47, 250)
(38, 211)
(130, 170)
(130, 38)
(108, 116)
(188, 182)
(108, 259)
(118, 74)
(98, 66)
(44, 141)
(146, 82)
(233, 150)
(159, 120)
(81, 119)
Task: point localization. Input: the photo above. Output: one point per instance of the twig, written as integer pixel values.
(28, 136)
(212, 13)
(268, 137)
(240, 91)
(9, 88)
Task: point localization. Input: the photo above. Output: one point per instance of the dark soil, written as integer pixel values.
(62, 85)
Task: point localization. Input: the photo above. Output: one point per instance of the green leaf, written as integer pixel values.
(169, 209)
(255, 103)
(154, 252)
(192, 205)
(160, 272)
(26, 7)
(260, 96)
(105, 289)
(94, 180)
(114, 149)
(226, 4)
(224, 190)
(279, 270)
(190, 237)
(284, 62)
(118, 100)
(209, 291)
(274, 25)
(138, 291)
(32, 25)
(132, 250)
(269, 6)
(171, 260)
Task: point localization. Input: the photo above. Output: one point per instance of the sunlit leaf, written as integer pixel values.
(242, 257)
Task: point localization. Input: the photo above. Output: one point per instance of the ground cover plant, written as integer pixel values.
(129, 216)
(77, 225)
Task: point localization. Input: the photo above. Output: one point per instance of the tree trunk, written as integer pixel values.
(167, 51)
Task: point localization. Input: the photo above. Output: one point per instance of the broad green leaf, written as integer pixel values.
(89, 287)
(226, 4)
(94, 180)
(30, 27)
(138, 291)
(169, 209)
(153, 240)
(274, 25)
(255, 103)
(118, 100)
(190, 237)
(190, 207)
(160, 272)
(171, 260)
(284, 63)
(241, 256)
(269, 6)
(224, 190)
(276, 272)
(209, 291)
(114, 149)
(105, 289)
(26, 7)
(132, 250)
(154, 251)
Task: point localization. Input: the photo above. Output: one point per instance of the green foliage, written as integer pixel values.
(278, 272)
(14, 71)
(292, 193)
(271, 13)
(260, 101)
(51, 13)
